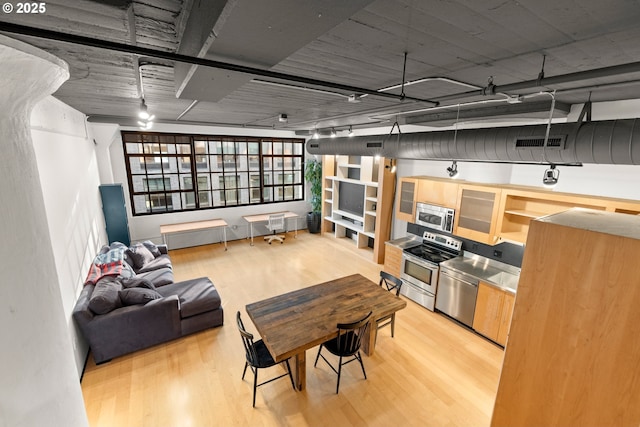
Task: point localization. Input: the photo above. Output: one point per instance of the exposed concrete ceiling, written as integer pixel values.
(486, 51)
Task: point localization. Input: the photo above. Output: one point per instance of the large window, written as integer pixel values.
(172, 173)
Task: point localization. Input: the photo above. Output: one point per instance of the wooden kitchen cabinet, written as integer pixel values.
(494, 308)
(477, 212)
(407, 199)
(505, 318)
(438, 192)
(572, 356)
(393, 260)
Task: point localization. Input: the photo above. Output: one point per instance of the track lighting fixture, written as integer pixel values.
(453, 169)
(551, 175)
(315, 135)
(333, 133)
(350, 131)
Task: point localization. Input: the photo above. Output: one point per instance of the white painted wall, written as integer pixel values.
(148, 227)
(66, 159)
(39, 381)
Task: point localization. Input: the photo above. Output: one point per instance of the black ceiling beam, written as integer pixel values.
(136, 50)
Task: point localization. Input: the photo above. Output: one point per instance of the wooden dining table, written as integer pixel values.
(291, 323)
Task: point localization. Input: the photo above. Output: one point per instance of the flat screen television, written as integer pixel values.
(351, 198)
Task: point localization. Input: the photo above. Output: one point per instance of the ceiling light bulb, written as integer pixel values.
(333, 133)
(315, 134)
(143, 114)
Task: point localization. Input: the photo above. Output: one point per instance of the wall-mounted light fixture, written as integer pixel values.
(391, 165)
(551, 175)
(453, 169)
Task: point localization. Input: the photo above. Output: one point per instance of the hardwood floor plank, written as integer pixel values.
(432, 373)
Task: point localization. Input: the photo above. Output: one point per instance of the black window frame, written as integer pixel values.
(162, 156)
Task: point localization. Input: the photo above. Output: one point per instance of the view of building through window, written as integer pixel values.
(227, 171)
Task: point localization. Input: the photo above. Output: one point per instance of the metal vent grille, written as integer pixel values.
(374, 144)
(316, 145)
(533, 142)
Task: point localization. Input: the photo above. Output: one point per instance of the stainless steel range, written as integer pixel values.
(420, 266)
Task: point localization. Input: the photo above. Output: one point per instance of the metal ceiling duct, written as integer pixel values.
(601, 142)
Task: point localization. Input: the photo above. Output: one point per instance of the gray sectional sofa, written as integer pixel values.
(130, 302)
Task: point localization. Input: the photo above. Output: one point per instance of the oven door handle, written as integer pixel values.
(415, 287)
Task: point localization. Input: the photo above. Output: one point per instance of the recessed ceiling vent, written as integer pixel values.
(374, 144)
(533, 142)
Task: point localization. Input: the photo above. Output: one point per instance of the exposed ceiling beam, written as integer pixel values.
(137, 50)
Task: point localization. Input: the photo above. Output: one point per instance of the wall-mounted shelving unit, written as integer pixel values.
(366, 188)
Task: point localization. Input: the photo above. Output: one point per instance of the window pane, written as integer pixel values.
(288, 148)
(277, 147)
(297, 192)
(267, 194)
(172, 165)
(139, 183)
(184, 149)
(244, 196)
(184, 164)
(203, 182)
(267, 163)
(186, 183)
(278, 194)
(140, 204)
(134, 148)
(189, 200)
(218, 198)
(136, 164)
(216, 163)
(254, 148)
(267, 179)
(205, 199)
(215, 147)
(266, 148)
(231, 197)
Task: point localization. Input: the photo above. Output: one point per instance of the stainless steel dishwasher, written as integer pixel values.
(457, 294)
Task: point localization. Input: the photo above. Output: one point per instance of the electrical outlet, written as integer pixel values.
(497, 254)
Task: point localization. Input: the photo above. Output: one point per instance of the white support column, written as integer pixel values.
(40, 384)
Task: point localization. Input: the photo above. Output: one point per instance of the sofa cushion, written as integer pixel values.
(105, 296)
(140, 255)
(152, 248)
(163, 261)
(159, 277)
(138, 282)
(132, 296)
(196, 296)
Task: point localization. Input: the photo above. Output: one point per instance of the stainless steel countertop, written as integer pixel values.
(499, 274)
(405, 242)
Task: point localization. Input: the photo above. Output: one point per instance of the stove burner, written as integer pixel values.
(430, 253)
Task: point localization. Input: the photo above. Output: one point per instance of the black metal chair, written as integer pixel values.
(392, 284)
(346, 344)
(258, 357)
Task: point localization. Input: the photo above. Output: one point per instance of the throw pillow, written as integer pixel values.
(105, 296)
(132, 296)
(152, 248)
(138, 282)
(140, 255)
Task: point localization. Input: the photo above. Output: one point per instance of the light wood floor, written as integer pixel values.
(433, 373)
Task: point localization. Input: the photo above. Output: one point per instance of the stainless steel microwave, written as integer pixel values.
(435, 217)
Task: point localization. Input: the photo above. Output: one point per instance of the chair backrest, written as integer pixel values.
(247, 341)
(276, 221)
(350, 335)
(391, 282)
